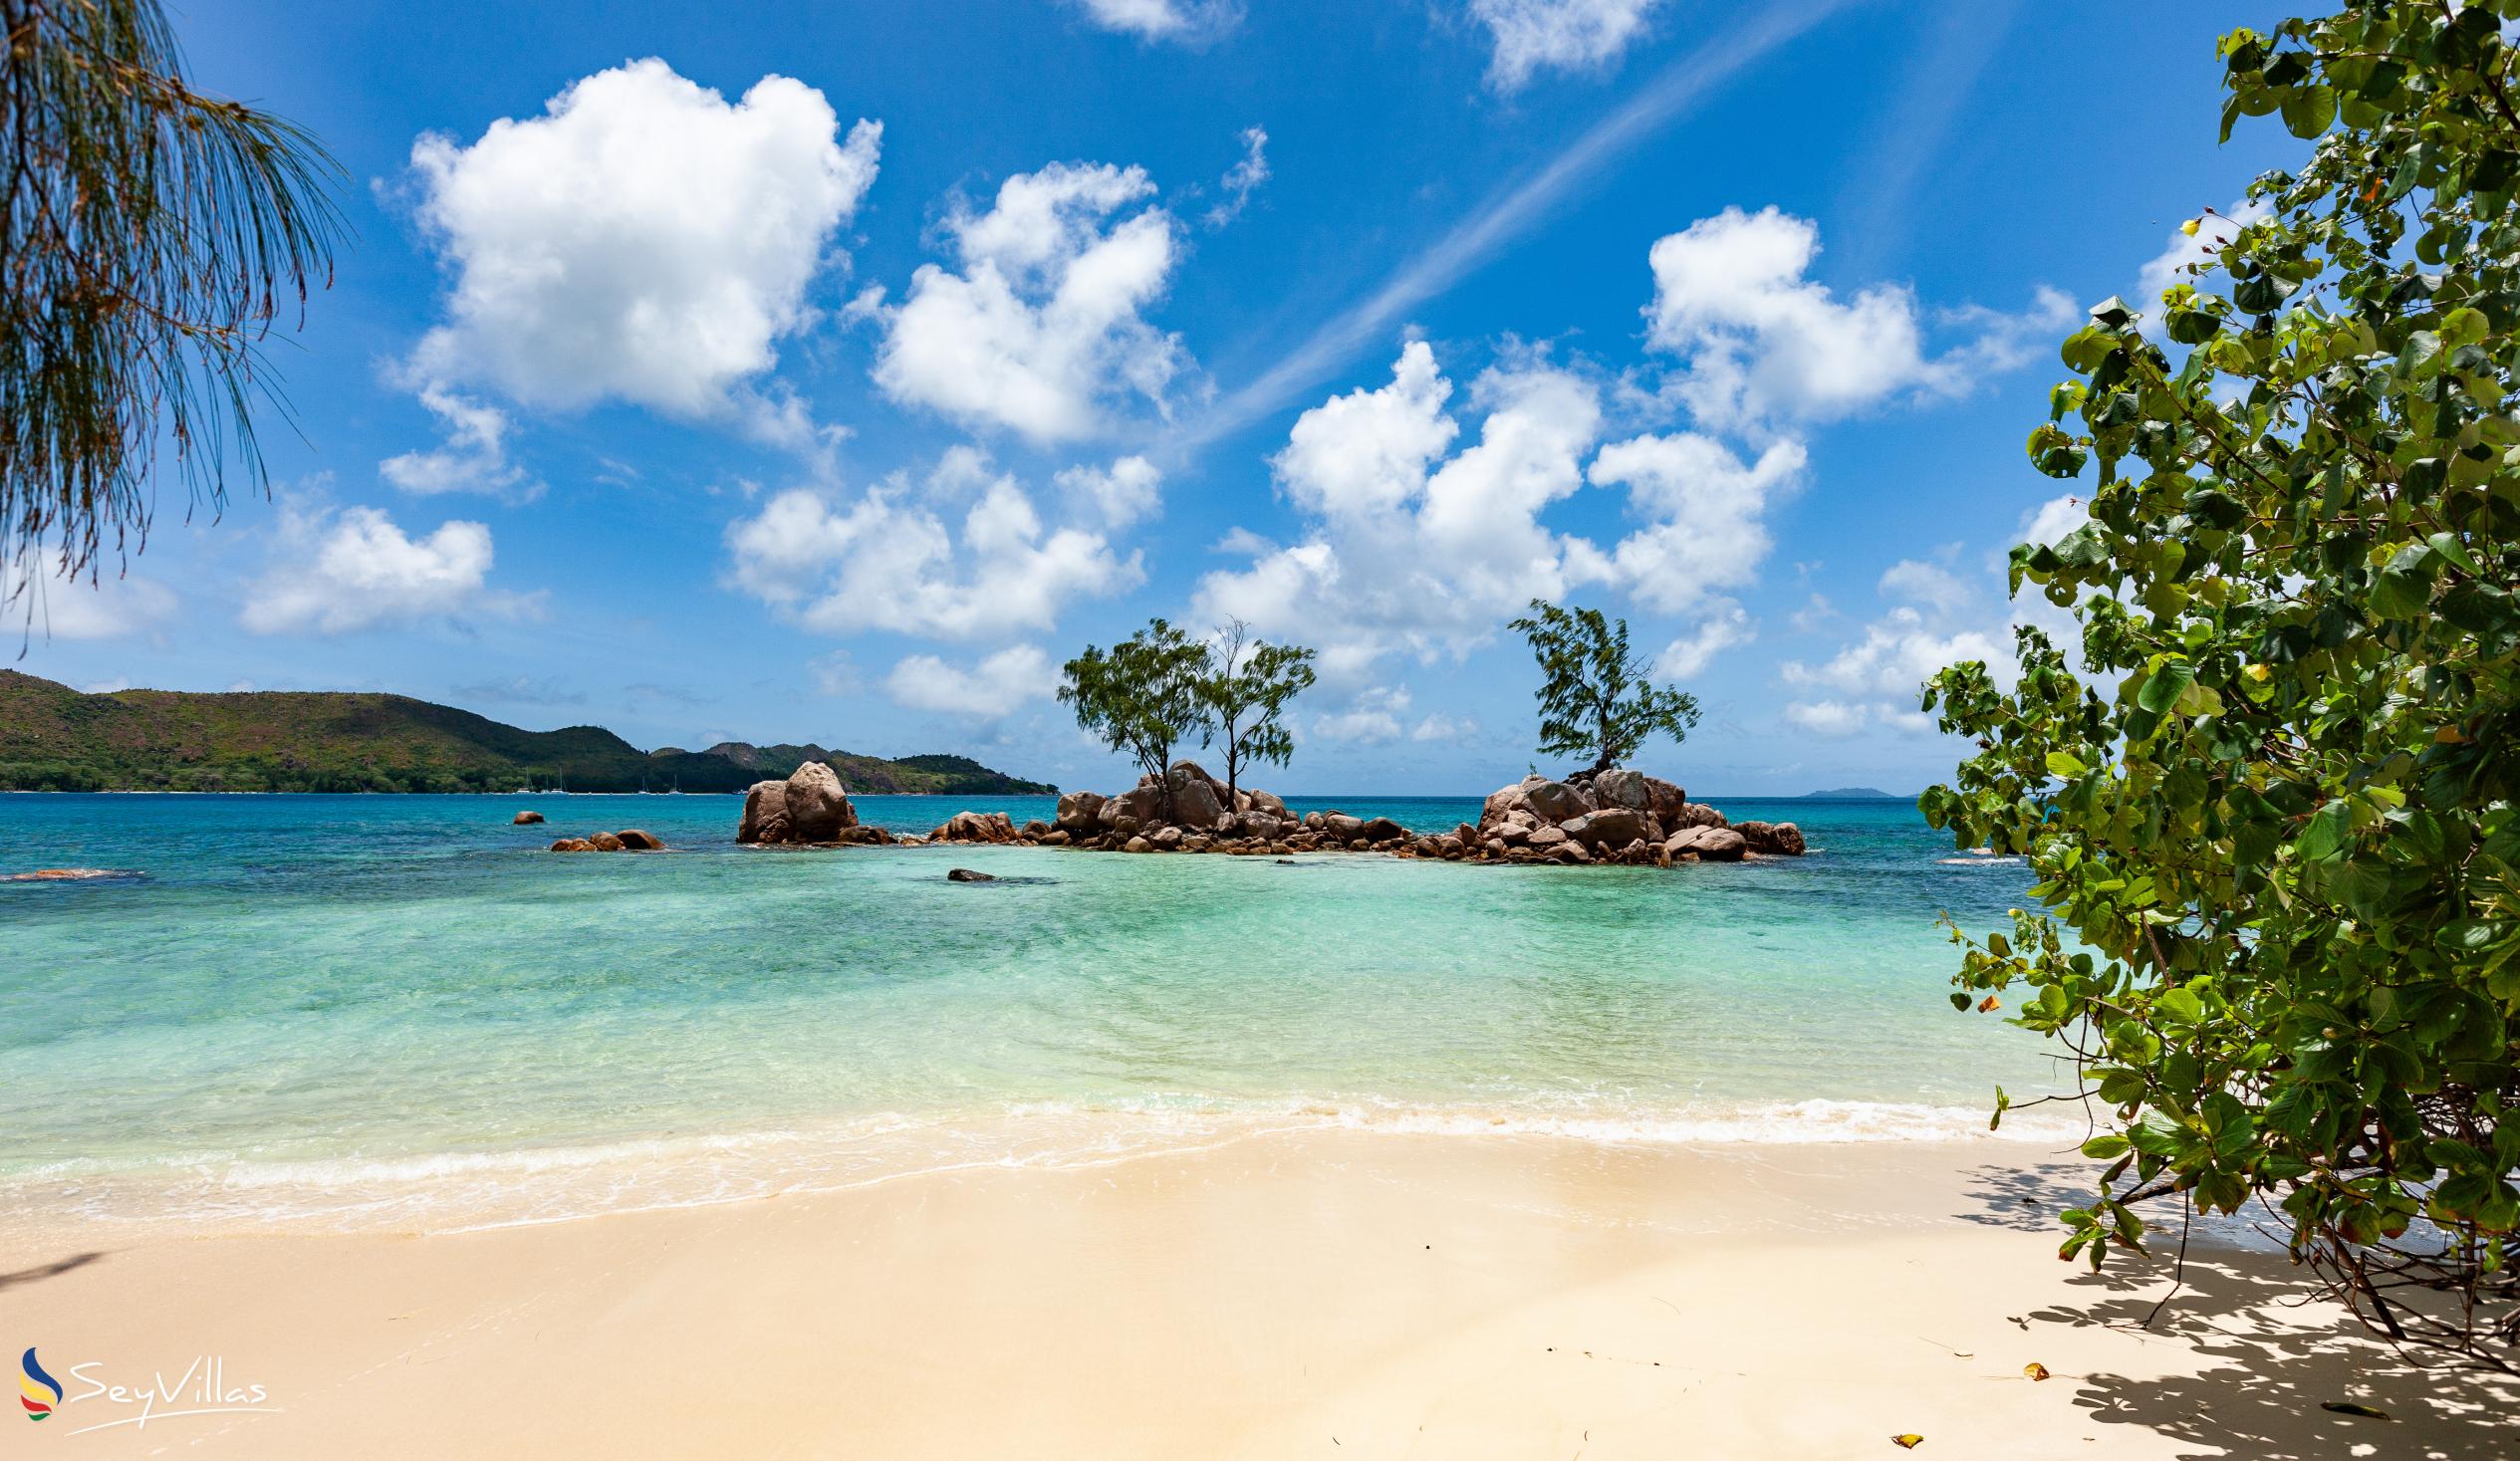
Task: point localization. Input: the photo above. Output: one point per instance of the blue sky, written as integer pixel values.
(831, 372)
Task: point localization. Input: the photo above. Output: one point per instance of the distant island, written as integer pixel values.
(1854, 794)
(55, 739)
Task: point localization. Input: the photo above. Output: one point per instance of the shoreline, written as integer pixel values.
(457, 1190)
(1331, 1294)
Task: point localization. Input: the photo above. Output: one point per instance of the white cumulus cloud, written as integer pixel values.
(1127, 491)
(1184, 22)
(887, 560)
(1724, 626)
(473, 457)
(1416, 547)
(993, 688)
(1556, 35)
(1762, 341)
(1705, 514)
(49, 606)
(1041, 333)
(642, 240)
(334, 572)
(1412, 550)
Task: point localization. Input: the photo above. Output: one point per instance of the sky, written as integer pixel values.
(835, 373)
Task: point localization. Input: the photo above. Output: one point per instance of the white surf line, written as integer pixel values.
(1506, 213)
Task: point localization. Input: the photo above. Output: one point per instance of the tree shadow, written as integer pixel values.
(21, 1277)
(2270, 1349)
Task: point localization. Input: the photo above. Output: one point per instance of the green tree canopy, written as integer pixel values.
(2271, 810)
(1594, 697)
(1143, 697)
(151, 234)
(1245, 691)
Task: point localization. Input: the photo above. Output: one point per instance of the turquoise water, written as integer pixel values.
(400, 1010)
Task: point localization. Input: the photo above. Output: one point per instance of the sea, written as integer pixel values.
(400, 1012)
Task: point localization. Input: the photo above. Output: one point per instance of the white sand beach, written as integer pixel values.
(1322, 1293)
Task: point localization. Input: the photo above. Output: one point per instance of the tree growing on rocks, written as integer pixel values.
(1245, 692)
(1594, 697)
(1143, 697)
(2274, 812)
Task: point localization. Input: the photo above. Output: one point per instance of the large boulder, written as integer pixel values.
(975, 826)
(1268, 802)
(1382, 830)
(765, 813)
(1344, 827)
(1503, 802)
(1555, 800)
(1664, 799)
(1620, 787)
(818, 806)
(1609, 827)
(1080, 811)
(1138, 806)
(1707, 844)
(1777, 838)
(1197, 800)
(1693, 814)
(635, 841)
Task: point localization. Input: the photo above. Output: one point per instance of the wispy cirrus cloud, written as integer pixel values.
(1509, 212)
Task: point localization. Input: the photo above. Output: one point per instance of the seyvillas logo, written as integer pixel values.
(201, 1388)
(38, 1391)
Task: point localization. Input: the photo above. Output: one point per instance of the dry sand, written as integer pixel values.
(1332, 1295)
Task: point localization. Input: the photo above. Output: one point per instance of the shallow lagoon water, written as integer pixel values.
(400, 1010)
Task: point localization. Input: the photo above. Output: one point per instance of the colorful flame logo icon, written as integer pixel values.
(39, 1392)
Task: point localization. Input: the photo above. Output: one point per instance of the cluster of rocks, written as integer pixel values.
(809, 809)
(1618, 816)
(628, 839)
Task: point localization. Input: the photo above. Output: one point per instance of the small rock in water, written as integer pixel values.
(527, 818)
(634, 841)
(966, 874)
(74, 875)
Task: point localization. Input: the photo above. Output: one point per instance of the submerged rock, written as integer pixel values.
(966, 874)
(75, 874)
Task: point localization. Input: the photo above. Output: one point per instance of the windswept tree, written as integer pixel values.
(153, 236)
(1140, 697)
(1594, 697)
(2274, 811)
(1245, 692)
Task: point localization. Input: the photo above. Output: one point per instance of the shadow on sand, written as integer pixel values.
(19, 1278)
(2268, 1347)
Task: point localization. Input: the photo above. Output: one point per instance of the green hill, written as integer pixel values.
(53, 738)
